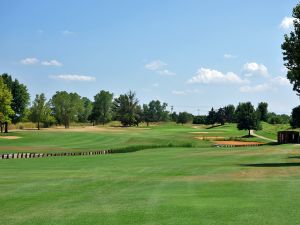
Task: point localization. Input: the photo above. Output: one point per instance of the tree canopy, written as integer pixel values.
(102, 108)
(20, 99)
(247, 117)
(66, 107)
(125, 108)
(5, 105)
(291, 52)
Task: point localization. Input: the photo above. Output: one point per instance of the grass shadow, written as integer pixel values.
(289, 164)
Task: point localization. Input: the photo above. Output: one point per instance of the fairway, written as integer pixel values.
(199, 184)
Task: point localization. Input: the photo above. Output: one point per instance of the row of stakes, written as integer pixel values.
(42, 155)
(230, 146)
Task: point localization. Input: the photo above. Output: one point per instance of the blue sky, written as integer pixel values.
(193, 55)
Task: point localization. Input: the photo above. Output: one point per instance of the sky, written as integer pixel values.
(191, 54)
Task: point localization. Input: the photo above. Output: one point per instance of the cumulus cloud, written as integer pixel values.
(73, 77)
(254, 67)
(155, 65)
(287, 22)
(256, 88)
(166, 72)
(281, 81)
(229, 56)
(209, 76)
(51, 63)
(159, 67)
(271, 84)
(29, 61)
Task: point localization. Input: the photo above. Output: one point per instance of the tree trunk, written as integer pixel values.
(1, 127)
(38, 125)
(249, 133)
(6, 127)
(147, 124)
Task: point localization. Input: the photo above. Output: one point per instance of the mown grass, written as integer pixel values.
(46, 141)
(177, 180)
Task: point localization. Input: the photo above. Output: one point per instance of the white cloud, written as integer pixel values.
(155, 65)
(29, 61)
(51, 63)
(155, 85)
(254, 67)
(166, 72)
(178, 92)
(67, 32)
(229, 56)
(256, 88)
(287, 22)
(73, 77)
(208, 76)
(281, 81)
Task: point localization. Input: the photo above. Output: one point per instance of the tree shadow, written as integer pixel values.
(214, 126)
(289, 164)
(294, 157)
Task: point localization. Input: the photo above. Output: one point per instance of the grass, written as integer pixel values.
(192, 184)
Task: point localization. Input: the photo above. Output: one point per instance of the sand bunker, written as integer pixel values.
(10, 137)
(238, 143)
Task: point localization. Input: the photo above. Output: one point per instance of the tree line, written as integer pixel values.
(64, 108)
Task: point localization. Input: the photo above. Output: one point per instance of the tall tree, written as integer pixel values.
(155, 112)
(66, 107)
(262, 110)
(184, 117)
(40, 111)
(102, 109)
(211, 117)
(221, 116)
(295, 121)
(20, 95)
(291, 52)
(125, 108)
(247, 117)
(86, 112)
(5, 105)
(229, 113)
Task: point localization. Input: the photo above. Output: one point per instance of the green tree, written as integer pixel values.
(229, 113)
(211, 117)
(291, 52)
(221, 116)
(20, 99)
(66, 107)
(125, 108)
(155, 112)
(262, 110)
(247, 117)
(184, 117)
(295, 120)
(199, 119)
(102, 107)
(86, 112)
(40, 112)
(5, 105)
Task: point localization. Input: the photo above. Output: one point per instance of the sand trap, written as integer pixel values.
(210, 138)
(238, 143)
(10, 137)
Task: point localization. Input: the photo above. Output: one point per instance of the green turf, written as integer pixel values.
(195, 185)
(64, 141)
